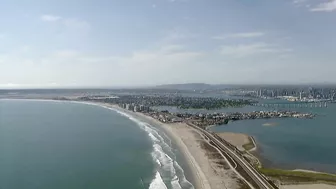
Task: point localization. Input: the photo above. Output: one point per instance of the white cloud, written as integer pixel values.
(172, 48)
(299, 1)
(50, 18)
(240, 35)
(177, 34)
(170, 62)
(325, 7)
(251, 49)
(65, 54)
(25, 48)
(70, 23)
(98, 59)
(77, 24)
(166, 64)
(173, 1)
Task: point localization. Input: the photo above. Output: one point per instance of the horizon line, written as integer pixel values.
(155, 86)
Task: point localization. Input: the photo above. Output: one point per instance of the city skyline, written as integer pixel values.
(62, 44)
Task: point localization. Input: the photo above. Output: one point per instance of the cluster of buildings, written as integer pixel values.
(204, 120)
(208, 119)
(296, 93)
(135, 107)
(165, 117)
(184, 102)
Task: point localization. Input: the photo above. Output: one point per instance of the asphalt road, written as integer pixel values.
(251, 171)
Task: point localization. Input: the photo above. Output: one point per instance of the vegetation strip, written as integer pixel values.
(299, 176)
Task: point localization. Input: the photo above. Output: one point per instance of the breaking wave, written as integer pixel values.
(169, 173)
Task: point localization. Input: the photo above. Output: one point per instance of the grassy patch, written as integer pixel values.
(299, 176)
(249, 146)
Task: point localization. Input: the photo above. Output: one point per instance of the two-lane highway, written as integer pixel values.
(248, 168)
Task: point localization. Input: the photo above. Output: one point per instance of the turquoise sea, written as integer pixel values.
(48, 144)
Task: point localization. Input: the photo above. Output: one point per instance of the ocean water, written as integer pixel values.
(47, 144)
(293, 143)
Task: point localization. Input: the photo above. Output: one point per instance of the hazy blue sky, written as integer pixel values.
(99, 43)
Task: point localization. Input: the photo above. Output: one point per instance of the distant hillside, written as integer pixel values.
(186, 86)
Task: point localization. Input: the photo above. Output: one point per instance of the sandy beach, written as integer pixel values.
(210, 170)
(236, 139)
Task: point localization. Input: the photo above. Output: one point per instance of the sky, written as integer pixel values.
(130, 43)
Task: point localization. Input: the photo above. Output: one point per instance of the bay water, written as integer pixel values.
(293, 143)
(288, 143)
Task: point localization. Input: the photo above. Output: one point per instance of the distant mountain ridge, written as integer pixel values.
(190, 86)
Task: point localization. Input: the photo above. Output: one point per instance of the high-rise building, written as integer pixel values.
(129, 107)
(136, 108)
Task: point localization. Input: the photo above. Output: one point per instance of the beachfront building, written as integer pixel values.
(129, 107)
(136, 108)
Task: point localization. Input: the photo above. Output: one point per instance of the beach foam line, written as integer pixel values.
(183, 180)
(175, 182)
(163, 160)
(157, 182)
(158, 154)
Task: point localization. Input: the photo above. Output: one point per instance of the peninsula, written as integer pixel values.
(244, 163)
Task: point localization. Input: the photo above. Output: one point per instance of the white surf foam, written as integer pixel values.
(183, 180)
(160, 157)
(153, 137)
(158, 162)
(157, 182)
(175, 182)
(164, 161)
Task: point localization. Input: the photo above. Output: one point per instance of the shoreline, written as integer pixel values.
(195, 178)
(256, 152)
(281, 172)
(198, 179)
(208, 173)
(201, 182)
